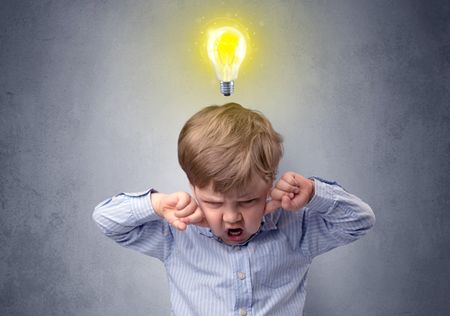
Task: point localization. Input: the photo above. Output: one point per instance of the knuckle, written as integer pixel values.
(182, 196)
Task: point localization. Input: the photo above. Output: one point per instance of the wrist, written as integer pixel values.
(311, 181)
(155, 200)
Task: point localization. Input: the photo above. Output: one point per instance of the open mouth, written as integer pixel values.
(235, 233)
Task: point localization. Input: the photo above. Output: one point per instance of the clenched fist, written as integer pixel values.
(179, 209)
(292, 192)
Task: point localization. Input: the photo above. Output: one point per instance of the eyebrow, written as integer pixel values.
(247, 196)
(209, 199)
(212, 200)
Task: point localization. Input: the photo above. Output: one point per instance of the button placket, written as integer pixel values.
(242, 277)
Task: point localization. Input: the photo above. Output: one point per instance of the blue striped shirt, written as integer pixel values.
(265, 276)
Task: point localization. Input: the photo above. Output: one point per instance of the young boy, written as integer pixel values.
(237, 245)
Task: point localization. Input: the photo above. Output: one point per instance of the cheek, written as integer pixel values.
(255, 214)
(212, 216)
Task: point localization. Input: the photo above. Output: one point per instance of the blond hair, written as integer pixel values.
(228, 145)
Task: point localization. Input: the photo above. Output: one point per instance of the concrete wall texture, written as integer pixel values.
(93, 95)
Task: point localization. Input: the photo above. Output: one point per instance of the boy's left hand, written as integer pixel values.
(292, 192)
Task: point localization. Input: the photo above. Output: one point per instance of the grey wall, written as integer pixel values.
(94, 93)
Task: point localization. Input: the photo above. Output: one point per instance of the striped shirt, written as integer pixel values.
(265, 276)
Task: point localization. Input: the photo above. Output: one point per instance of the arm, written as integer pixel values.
(130, 220)
(333, 218)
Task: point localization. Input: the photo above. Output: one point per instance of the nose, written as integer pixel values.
(231, 216)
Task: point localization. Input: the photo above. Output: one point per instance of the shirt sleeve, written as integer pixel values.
(130, 220)
(333, 218)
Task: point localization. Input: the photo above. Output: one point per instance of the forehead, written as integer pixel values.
(256, 188)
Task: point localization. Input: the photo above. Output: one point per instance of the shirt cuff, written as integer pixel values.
(141, 206)
(323, 197)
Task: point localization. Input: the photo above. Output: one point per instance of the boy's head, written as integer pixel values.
(227, 146)
(230, 155)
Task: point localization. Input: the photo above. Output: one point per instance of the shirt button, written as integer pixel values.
(241, 275)
(242, 312)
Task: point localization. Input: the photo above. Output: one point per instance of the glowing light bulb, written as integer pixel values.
(226, 50)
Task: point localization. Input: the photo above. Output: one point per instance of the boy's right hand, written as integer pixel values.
(179, 209)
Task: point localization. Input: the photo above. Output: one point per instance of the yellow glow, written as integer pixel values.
(226, 50)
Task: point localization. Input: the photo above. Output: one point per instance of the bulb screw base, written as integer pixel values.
(227, 88)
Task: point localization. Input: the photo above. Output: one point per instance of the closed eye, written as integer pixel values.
(248, 201)
(213, 203)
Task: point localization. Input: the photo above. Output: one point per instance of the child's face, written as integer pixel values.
(236, 216)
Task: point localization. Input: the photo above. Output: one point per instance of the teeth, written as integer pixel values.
(235, 231)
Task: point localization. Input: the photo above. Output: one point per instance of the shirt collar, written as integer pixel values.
(269, 221)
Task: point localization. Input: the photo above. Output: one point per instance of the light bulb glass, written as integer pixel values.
(226, 50)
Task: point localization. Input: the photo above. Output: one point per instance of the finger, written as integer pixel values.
(174, 221)
(195, 217)
(183, 200)
(292, 178)
(272, 206)
(287, 186)
(305, 195)
(188, 210)
(277, 194)
(198, 219)
(282, 188)
(286, 203)
(293, 204)
(171, 200)
(179, 225)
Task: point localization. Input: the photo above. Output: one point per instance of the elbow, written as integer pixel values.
(98, 210)
(366, 221)
(96, 214)
(97, 217)
(370, 217)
